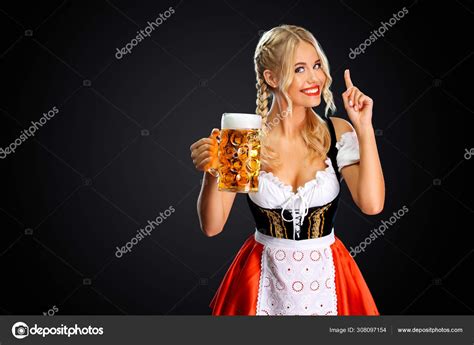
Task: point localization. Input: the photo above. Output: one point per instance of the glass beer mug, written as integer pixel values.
(239, 153)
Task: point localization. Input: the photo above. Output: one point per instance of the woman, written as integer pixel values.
(294, 264)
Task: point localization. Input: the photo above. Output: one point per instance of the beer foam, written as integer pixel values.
(240, 121)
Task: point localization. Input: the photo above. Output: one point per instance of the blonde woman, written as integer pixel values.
(294, 264)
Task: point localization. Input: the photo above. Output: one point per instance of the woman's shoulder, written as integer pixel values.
(341, 126)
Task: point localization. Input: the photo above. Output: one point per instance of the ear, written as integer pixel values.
(270, 78)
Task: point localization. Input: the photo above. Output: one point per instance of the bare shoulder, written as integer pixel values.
(341, 126)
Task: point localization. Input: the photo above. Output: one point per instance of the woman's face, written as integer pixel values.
(309, 78)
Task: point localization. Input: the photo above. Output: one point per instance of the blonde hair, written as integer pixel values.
(275, 51)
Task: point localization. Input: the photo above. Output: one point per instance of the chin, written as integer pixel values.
(311, 104)
(307, 103)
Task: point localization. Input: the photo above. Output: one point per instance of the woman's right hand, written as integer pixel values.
(204, 152)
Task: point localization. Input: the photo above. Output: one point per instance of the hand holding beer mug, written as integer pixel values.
(238, 153)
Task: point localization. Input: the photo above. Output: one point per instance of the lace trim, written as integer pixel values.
(260, 283)
(317, 179)
(333, 278)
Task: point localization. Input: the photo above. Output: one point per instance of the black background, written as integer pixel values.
(117, 153)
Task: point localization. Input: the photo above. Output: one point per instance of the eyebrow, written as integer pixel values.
(304, 63)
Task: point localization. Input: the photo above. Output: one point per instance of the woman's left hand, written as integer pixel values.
(358, 106)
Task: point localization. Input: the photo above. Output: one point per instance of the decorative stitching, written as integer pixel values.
(276, 223)
(260, 284)
(333, 277)
(317, 216)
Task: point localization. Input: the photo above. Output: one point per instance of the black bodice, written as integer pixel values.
(317, 223)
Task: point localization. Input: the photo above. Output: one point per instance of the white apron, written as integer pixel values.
(297, 277)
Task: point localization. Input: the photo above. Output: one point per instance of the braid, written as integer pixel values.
(261, 55)
(262, 98)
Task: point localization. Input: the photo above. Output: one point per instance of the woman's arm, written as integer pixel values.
(364, 179)
(213, 206)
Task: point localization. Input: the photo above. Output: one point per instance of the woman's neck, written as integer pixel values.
(287, 125)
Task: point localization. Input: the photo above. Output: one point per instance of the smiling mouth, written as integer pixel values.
(313, 91)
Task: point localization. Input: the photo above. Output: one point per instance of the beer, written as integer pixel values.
(239, 152)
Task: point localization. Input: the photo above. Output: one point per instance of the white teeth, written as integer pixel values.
(312, 91)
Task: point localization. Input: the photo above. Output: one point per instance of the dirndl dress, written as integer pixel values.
(294, 264)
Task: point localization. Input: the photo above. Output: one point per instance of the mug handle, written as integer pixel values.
(213, 172)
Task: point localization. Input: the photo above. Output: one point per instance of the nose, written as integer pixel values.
(312, 78)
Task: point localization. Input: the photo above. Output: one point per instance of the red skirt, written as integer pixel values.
(238, 292)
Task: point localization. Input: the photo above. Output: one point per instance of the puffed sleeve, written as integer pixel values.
(348, 150)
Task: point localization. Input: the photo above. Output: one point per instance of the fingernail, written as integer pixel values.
(356, 108)
(350, 103)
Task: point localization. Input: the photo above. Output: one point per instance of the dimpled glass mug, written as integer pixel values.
(239, 153)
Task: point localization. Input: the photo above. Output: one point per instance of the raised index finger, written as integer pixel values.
(347, 78)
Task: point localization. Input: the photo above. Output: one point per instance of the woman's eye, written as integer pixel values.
(301, 69)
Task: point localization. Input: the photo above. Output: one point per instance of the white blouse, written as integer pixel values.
(324, 187)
